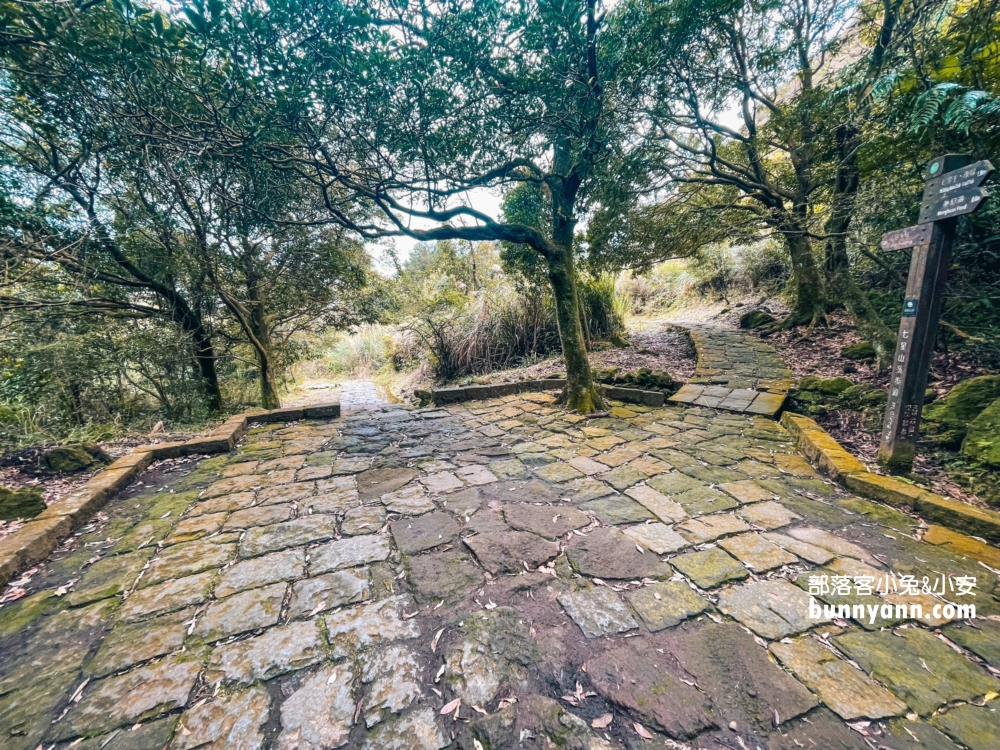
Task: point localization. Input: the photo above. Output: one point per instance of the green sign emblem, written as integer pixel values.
(935, 167)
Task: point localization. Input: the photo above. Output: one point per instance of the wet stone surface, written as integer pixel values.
(336, 583)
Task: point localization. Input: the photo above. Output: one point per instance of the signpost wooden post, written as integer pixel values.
(951, 190)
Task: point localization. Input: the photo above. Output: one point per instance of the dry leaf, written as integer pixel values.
(451, 706)
(602, 721)
(641, 731)
(437, 637)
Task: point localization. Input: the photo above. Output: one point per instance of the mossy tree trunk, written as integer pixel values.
(810, 298)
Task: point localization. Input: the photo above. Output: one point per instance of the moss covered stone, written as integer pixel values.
(860, 351)
(947, 419)
(21, 503)
(834, 386)
(756, 319)
(74, 457)
(982, 441)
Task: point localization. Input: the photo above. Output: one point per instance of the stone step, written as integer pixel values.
(740, 400)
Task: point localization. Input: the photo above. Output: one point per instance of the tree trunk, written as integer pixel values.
(837, 262)
(204, 357)
(265, 365)
(810, 302)
(580, 394)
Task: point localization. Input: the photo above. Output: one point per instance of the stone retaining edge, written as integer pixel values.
(443, 396)
(36, 540)
(957, 522)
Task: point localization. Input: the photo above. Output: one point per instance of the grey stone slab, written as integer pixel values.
(261, 571)
(127, 645)
(393, 679)
(301, 531)
(377, 482)
(549, 521)
(264, 515)
(442, 576)
(598, 612)
(615, 509)
(707, 528)
(167, 596)
(709, 568)
(981, 637)
(241, 613)
(314, 595)
(373, 624)
(845, 689)
(186, 559)
(756, 552)
(424, 532)
(416, 730)
(661, 506)
(364, 520)
(320, 714)
(408, 501)
(666, 604)
(609, 554)
(917, 667)
(348, 553)
(772, 609)
(228, 721)
(810, 552)
(703, 500)
(976, 727)
(767, 515)
(510, 551)
(658, 537)
(277, 651)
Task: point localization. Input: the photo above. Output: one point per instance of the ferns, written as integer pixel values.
(961, 107)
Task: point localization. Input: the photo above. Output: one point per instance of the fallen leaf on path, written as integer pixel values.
(451, 706)
(602, 721)
(641, 731)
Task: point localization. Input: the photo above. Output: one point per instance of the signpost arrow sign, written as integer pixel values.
(957, 204)
(900, 239)
(960, 179)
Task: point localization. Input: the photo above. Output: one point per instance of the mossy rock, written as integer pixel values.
(948, 418)
(74, 457)
(982, 440)
(810, 383)
(833, 386)
(756, 319)
(23, 503)
(854, 397)
(860, 351)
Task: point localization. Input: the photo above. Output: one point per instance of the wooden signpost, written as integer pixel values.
(951, 189)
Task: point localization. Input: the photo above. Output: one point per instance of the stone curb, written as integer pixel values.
(443, 396)
(951, 515)
(36, 540)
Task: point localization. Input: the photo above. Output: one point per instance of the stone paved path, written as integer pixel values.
(574, 583)
(736, 359)
(360, 394)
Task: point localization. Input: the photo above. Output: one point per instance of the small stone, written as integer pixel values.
(598, 612)
(426, 532)
(264, 515)
(756, 552)
(476, 475)
(444, 481)
(373, 624)
(442, 576)
(320, 714)
(509, 551)
(288, 534)
(230, 721)
(772, 609)
(364, 520)
(548, 521)
(709, 568)
(658, 537)
(767, 515)
(394, 677)
(349, 553)
(747, 491)
(239, 613)
(260, 571)
(676, 602)
(557, 472)
(277, 651)
(616, 509)
(917, 667)
(663, 507)
(414, 731)
(609, 554)
(167, 596)
(707, 528)
(846, 690)
(122, 700)
(314, 595)
(409, 501)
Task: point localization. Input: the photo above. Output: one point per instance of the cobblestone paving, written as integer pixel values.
(736, 359)
(491, 575)
(360, 394)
